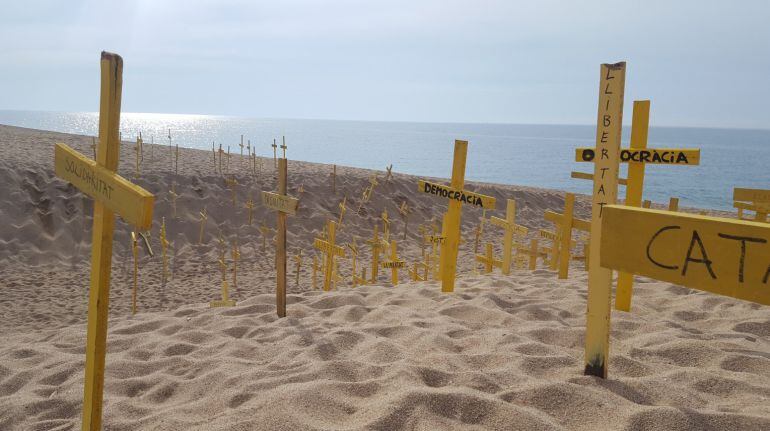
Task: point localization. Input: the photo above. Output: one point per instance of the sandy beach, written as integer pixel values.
(501, 352)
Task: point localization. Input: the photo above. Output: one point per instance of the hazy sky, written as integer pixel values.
(702, 63)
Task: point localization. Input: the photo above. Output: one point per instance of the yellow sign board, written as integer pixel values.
(282, 203)
(751, 195)
(463, 196)
(655, 156)
(132, 202)
(327, 248)
(723, 256)
(396, 264)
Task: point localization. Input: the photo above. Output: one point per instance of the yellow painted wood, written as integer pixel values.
(264, 230)
(204, 218)
(751, 195)
(298, 262)
(231, 183)
(394, 264)
(479, 231)
(283, 146)
(385, 226)
(163, 251)
(654, 156)
(282, 203)
(533, 249)
(388, 172)
(342, 209)
(377, 245)
(673, 204)
(316, 267)
(719, 255)
(587, 176)
(133, 203)
(330, 250)
(250, 208)
(564, 224)
(275, 155)
(457, 194)
(135, 252)
(451, 226)
(172, 195)
(225, 301)
(111, 193)
(488, 259)
(236, 256)
(606, 167)
(511, 228)
(404, 211)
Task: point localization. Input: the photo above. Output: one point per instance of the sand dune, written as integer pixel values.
(502, 352)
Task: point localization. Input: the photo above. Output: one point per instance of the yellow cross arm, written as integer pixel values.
(577, 223)
(503, 223)
(285, 204)
(393, 264)
(587, 176)
(130, 201)
(751, 195)
(719, 255)
(656, 156)
(328, 248)
(464, 196)
(752, 207)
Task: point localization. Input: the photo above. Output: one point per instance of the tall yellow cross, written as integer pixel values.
(394, 264)
(488, 259)
(232, 182)
(385, 226)
(283, 146)
(275, 154)
(404, 210)
(176, 160)
(330, 251)
(221, 154)
(283, 205)
(264, 230)
(511, 228)
(112, 194)
(250, 207)
(354, 257)
(456, 196)
(533, 252)
(342, 209)
(225, 301)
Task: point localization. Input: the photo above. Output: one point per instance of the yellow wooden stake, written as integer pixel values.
(479, 231)
(264, 230)
(639, 132)
(565, 222)
(225, 301)
(172, 197)
(283, 146)
(606, 167)
(231, 183)
(673, 204)
(250, 207)
(204, 218)
(356, 280)
(377, 245)
(316, 267)
(283, 205)
(138, 149)
(388, 173)
(533, 252)
(342, 209)
(590, 177)
(111, 194)
(236, 255)
(334, 179)
(241, 145)
(330, 250)
(394, 264)
(163, 247)
(176, 160)
(385, 226)
(275, 154)
(511, 228)
(451, 228)
(298, 261)
(404, 210)
(93, 145)
(135, 251)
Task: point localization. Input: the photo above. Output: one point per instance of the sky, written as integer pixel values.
(701, 63)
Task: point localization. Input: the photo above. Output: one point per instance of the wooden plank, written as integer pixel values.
(719, 255)
(133, 203)
(654, 156)
(275, 201)
(457, 193)
(751, 195)
(280, 229)
(587, 176)
(639, 131)
(606, 167)
(327, 248)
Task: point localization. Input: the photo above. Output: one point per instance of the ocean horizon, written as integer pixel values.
(535, 155)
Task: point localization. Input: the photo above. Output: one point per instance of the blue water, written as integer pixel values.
(532, 155)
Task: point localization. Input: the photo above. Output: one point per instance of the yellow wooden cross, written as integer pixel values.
(227, 161)
(488, 259)
(241, 145)
(163, 247)
(385, 225)
(388, 172)
(590, 177)
(138, 149)
(584, 257)
(605, 189)
(250, 207)
(456, 196)
(342, 209)
(760, 210)
(298, 262)
(204, 217)
(330, 250)
(172, 194)
(221, 154)
(394, 264)
(511, 228)
(112, 194)
(565, 223)
(637, 156)
(551, 253)
(135, 251)
(231, 183)
(404, 210)
(334, 179)
(225, 301)
(176, 161)
(283, 205)
(316, 267)
(356, 280)
(264, 230)
(533, 252)
(93, 145)
(646, 204)
(377, 245)
(480, 230)
(283, 146)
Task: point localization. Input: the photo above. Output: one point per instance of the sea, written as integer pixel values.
(518, 154)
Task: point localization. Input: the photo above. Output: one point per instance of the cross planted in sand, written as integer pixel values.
(283, 205)
(457, 197)
(488, 259)
(565, 223)
(394, 264)
(511, 228)
(112, 194)
(330, 250)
